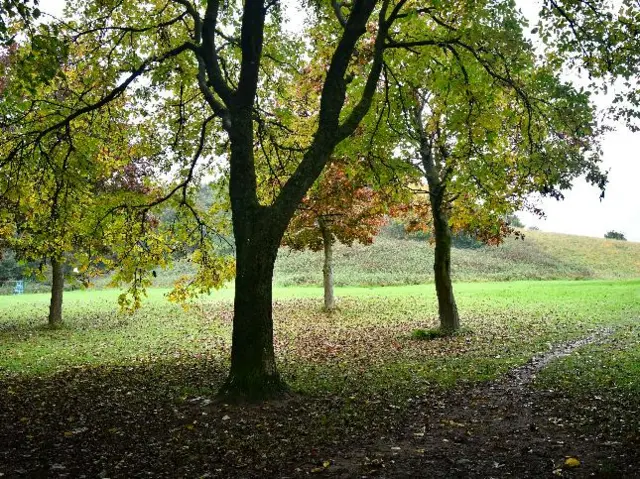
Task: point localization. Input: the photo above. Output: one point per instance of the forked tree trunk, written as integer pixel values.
(257, 229)
(57, 288)
(327, 269)
(447, 309)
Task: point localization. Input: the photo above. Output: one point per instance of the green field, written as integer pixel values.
(507, 322)
(131, 388)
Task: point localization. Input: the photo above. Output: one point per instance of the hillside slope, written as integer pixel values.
(409, 261)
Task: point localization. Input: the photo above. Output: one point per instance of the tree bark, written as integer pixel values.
(447, 309)
(253, 372)
(57, 288)
(436, 179)
(327, 269)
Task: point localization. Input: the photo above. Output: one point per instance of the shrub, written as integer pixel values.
(616, 235)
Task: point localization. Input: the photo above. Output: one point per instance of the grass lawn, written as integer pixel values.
(129, 390)
(507, 323)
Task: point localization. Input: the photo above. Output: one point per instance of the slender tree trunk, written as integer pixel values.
(57, 288)
(436, 178)
(327, 269)
(448, 311)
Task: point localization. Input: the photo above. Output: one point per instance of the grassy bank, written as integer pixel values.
(540, 256)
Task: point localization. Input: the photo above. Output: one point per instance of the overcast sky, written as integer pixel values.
(581, 212)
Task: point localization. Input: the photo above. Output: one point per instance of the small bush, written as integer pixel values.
(616, 235)
(514, 221)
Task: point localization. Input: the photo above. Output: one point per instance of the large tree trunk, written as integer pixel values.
(257, 229)
(448, 311)
(327, 269)
(57, 288)
(253, 371)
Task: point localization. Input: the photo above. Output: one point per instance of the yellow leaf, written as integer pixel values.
(68, 434)
(326, 463)
(571, 462)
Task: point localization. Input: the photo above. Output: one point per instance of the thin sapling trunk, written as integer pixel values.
(327, 269)
(57, 289)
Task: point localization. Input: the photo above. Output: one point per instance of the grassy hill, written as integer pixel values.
(409, 261)
(396, 261)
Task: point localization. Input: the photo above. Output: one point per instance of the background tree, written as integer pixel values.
(616, 235)
(341, 207)
(486, 134)
(46, 209)
(514, 221)
(87, 197)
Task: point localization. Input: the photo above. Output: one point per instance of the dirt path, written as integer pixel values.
(521, 377)
(504, 428)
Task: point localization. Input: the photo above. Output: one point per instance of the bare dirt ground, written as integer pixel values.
(128, 423)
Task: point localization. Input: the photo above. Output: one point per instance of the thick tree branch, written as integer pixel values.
(251, 42)
(328, 134)
(209, 54)
(337, 9)
(363, 106)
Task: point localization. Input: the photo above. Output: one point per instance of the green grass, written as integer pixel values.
(615, 364)
(369, 337)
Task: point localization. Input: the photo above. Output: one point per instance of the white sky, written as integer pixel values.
(581, 212)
